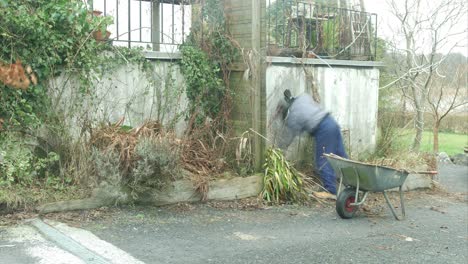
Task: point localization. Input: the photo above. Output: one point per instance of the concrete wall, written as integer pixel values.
(348, 91)
(129, 93)
(126, 92)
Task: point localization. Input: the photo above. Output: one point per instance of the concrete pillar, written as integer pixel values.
(155, 25)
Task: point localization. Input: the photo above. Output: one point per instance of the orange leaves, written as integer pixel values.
(16, 75)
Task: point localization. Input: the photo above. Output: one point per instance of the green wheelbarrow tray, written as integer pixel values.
(371, 178)
(358, 176)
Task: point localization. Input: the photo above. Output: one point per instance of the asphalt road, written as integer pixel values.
(454, 178)
(435, 231)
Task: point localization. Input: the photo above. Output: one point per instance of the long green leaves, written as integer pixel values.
(281, 181)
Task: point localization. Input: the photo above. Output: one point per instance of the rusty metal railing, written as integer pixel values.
(303, 29)
(159, 25)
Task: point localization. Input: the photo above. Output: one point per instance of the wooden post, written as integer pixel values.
(257, 82)
(155, 25)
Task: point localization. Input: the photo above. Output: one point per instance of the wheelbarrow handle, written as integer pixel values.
(424, 172)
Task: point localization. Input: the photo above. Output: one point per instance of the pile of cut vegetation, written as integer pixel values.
(409, 161)
(128, 164)
(149, 157)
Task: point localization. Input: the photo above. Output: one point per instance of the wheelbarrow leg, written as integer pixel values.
(402, 203)
(391, 206)
(341, 182)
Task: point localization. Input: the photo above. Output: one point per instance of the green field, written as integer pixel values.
(448, 142)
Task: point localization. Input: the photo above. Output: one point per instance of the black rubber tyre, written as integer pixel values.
(343, 207)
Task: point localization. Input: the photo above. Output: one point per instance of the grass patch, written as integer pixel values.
(449, 143)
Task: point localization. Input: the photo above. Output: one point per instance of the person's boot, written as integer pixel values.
(324, 195)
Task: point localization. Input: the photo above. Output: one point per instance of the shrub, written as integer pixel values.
(154, 163)
(281, 181)
(157, 164)
(20, 165)
(107, 166)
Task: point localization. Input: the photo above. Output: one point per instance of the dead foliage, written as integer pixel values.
(246, 204)
(16, 76)
(203, 152)
(197, 157)
(409, 161)
(201, 184)
(202, 161)
(15, 218)
(200, 153)
(114, 138)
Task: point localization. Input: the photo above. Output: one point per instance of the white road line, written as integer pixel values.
(83, 244)
(91, 241)
(43, 251)
(67, 243)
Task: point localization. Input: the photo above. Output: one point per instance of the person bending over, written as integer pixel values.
(302, 114)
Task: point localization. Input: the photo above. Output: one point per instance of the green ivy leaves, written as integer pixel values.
(205, 89)
(51, 36)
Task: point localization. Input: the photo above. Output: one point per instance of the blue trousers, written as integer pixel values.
(328, 140)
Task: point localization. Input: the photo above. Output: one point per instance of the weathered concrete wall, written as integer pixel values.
(128, 92)
(349, 92)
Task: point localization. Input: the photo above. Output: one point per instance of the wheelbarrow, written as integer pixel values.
(361, 177)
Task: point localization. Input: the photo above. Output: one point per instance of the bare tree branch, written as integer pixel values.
(433, 27)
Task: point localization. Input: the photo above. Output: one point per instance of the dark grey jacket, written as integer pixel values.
(304, 116)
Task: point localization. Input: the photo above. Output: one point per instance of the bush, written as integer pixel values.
(55, 39)
(107, 166)
(157, 164)
(281, 181)
(20, 165)
(154, 163)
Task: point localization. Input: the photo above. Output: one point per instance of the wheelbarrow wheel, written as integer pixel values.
(343, 203)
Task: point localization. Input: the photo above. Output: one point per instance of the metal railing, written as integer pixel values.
(294, 27)
(159, 25)
(304, 29)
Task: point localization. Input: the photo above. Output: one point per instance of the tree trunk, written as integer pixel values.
(419, 126)
(436, 136)
(405, 120)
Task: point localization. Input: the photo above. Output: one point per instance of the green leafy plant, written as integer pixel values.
(56, 39)
(206, 57)
(20, 165)
(281, 181)
(205, 89)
